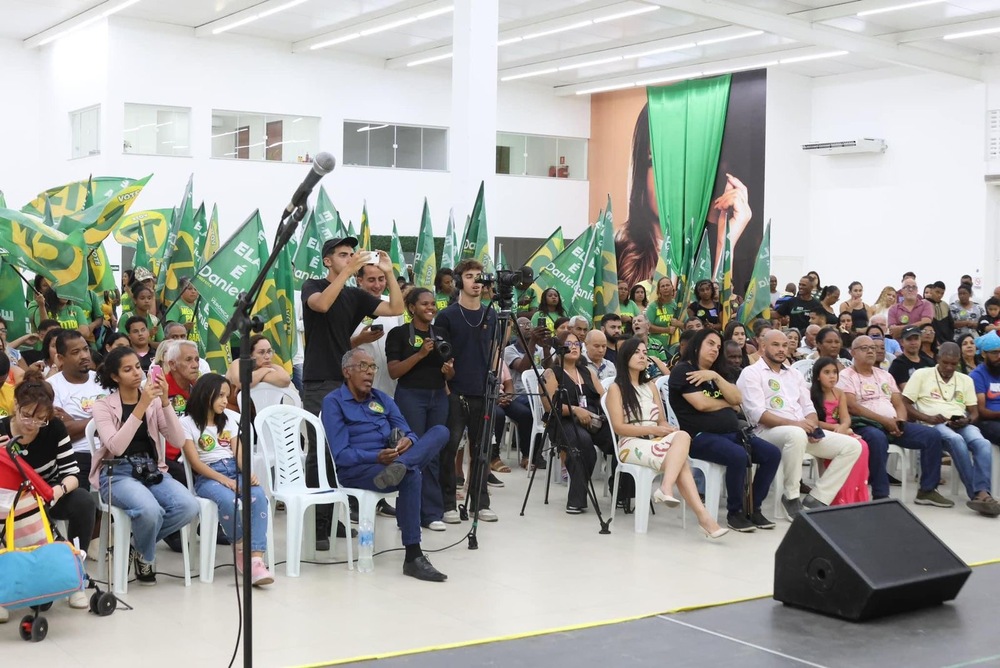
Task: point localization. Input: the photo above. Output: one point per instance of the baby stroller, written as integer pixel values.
(45, 568)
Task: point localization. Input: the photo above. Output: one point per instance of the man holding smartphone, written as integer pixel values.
(873, 396)
(331, 310)
(945, 399)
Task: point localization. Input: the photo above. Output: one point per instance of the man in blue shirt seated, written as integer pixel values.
(359, 420)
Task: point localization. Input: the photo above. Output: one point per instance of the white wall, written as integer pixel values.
(19, 115)
(920, 207)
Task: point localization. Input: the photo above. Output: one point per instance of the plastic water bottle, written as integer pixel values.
(366, 546)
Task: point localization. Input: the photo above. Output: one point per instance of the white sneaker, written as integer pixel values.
(451, 517)
(487, 515)
(4, 615)
(437, 525)
(79, 600)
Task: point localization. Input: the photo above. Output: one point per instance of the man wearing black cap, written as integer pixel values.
(331, 311)
(911, 359)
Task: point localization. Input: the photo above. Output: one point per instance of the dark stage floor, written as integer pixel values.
(761, 633)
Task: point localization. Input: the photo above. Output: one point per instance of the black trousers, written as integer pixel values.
(313, 393)
(464, 412)
(79, 509)
(580, 460)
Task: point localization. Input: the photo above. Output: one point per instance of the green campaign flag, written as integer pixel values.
(350, 229)
(547, 252)
(274, 303)
(219, 281)
(724, 277)
(501, 260)
(3, 201)
(758, 295)
(701, 270)
(155, 223)
(322, 224)
(185, 253)
(563, 273)
(662, 261)
(183, 219)
(12, 302)
(99, 274)
(606, 277)
(396, 254)
(449, 252)
(686, 122)
(39, 247)
(476, 243)
(583, 292)
(365, 235)
(100, 218)
(424, 258)
(212, 241)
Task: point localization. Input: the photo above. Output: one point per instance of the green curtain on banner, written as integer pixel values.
(686, 122)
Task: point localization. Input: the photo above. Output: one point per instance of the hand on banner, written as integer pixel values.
(734, 197)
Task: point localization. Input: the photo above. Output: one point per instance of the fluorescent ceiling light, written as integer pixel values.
(604, 89)
(631, 12)
(896, 8)
(591, 63)
(80, 21)
(720, 40)
(435, 12)
(665, 49)
(818, 56)
(509, 40)
(389, 26)
(335, 40)
(972, 33)
(739, 68)
(676, 77)
(254, 17)
(525, 75)
(392, 25)
(553, 31)
(429, 59)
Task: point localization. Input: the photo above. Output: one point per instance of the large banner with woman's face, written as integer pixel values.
(687, 160)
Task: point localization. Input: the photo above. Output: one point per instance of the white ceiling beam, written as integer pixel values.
(579, 12)
(371, 20)
(939, 31)
(244, 16)
(826, 36)
(843, 9)
(85, 18)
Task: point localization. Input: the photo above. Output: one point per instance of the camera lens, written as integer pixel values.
(443, 348)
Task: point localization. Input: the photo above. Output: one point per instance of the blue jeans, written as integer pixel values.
(971, 454)
(156, 511)
(423, 409)
(426, 448)
(230, 516)
(519, 411)
(915, 437)
(727, 450)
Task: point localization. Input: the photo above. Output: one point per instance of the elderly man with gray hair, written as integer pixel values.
(373, 448)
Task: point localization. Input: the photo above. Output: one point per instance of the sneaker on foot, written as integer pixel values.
(740, 522)
(451, 517)
(494, 481)
(792, 506)
(383, 509)
(932, 498)
(487, 515)
(259, 575)
(79, 600)
(145, 571)
(570, 510)
(390, 476)
(436, 525)
(760, 521)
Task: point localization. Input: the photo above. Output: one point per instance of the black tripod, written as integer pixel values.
(560, 441)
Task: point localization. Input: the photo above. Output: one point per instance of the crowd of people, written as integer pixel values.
(401, 377)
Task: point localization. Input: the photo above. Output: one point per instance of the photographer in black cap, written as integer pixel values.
(331, 311)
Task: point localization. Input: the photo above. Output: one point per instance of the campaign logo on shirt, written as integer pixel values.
(993, 393)
(206, 442)
(776, 403)
(904, 319)
(418, 341)
(376, 407)
(700, 313)
(959, 397)
(87, 403)
(3, 412)
(179, 403)
(886, 390)
(774, 385)
(868, 391)
(225, 438)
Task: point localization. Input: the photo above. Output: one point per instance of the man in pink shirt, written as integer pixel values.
(911, 311)
(777, 400)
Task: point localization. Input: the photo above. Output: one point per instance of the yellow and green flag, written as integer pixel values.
(564, 273)
(606, 275)
(12, 303)
(449, 252)
(548, 251)
(758, 296)
(274, 303)
(183, 248)
(476, 243)
(365, 238)
(321, 224)
(396, 254)
(37, 246)
(424, 257)
(211, 245)
(724, 277)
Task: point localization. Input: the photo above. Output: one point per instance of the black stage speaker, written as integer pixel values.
(864, 560)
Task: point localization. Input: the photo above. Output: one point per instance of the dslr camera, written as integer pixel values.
(146, 471)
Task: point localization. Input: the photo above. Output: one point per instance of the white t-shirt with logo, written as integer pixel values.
(78, 400)
(211, 445)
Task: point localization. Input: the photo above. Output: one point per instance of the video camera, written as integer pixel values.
(506, 280)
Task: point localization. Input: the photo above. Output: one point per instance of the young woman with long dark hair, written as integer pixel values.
(645, 438)
(830, 403)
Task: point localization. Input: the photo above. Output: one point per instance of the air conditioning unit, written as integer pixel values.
(863, 145)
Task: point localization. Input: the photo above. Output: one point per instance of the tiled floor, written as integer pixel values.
(542, 571)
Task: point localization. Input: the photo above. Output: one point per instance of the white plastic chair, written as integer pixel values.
(804, 367)
(715, 474)
(208, 521)
(265, 394)
(530, 383)
(643, 477)
(283, 426)
(904, 458)
(123, 533)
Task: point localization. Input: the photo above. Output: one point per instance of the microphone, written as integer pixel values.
(323, 164)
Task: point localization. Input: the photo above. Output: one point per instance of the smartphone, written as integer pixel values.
(376, 328)
(540, 322)
(373, 257)
(817, 433)
(956, 418)
(155, 373)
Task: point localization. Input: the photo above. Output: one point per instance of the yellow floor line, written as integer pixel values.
(560, 629)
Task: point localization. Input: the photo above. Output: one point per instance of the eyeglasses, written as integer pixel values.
(365, 366)
(30, 421)
(269, 351)
(908, 287)
(3, 330)
(574, 344)
(867, 349)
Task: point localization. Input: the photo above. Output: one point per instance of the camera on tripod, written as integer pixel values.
(146, 471)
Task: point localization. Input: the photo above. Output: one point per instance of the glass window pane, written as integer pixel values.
(154, 130)
(381, 138)
(510, 154)
(572, 158)
(85, 132)
(435, 149)
(541, 157)
(355, 143)
(249, 136)
(408, 147)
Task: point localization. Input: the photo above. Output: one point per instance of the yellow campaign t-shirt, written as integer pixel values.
(934, 396)
(187, 315)
(6, 400)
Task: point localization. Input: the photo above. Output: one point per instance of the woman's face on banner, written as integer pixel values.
(654, 204)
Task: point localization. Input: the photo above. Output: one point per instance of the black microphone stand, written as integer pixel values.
(242, 321)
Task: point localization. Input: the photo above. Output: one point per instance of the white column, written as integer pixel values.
(472, 144)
